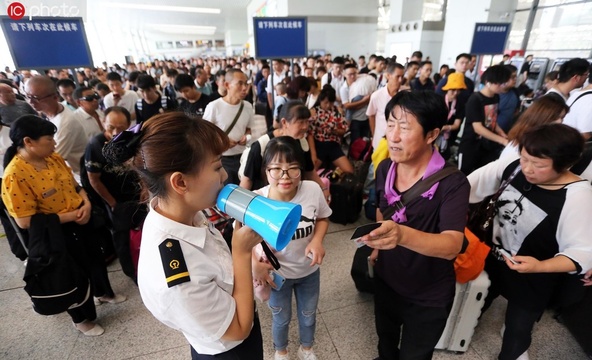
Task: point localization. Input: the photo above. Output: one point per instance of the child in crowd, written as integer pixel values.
(300, 260)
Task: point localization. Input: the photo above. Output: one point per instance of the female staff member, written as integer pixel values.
(187, 276)
(37, 180)
(541, 221)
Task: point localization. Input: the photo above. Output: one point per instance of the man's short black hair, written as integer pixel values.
(77, 94)
(183, 81)
(463, 55)
(121, 110)
(392, 66)
(113, 76)
(511, 67)
(133, 76)
(428, 107)
(496, 74)
(172, 72)
(265, 67)
(349, 66)
(573, 67)
(412, 63)
(339, 60)
(101, 87)
(426, 62)
(93, 82)
(362, 57)
(67, 83)
(417, 54)
(145, 82)
(379, 59)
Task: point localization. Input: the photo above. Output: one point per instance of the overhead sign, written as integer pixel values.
(47, 42)
(490, 38)
(280, 37)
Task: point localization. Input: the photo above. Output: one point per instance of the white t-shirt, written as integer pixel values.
(202, 308)
(295, 264)
(70, 138)
(222, 114)
(336, 83)
(376, 107)
(277, 78)
(580, 112)
(128, 101)
(5, 143)
(89, 123)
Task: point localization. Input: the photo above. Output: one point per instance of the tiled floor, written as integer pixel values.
(345, 322)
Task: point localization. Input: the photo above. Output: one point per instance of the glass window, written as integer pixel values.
(555, 2)
(433, 10)
(524, 4)
(562, 29)
(518, 30)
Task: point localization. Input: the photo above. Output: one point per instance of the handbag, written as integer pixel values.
(481, 215)
(470, 263)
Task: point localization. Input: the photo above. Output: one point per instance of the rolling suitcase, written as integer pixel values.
(346, 199)
(464, 315)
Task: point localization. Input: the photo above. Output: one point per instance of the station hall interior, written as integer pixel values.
(134, 31)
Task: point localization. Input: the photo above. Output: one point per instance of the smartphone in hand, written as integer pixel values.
(508, 256)
(363, 230)
(278, 280)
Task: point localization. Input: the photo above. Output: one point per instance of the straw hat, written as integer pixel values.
(455, 81)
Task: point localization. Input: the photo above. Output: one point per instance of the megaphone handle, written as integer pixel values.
(270, 256)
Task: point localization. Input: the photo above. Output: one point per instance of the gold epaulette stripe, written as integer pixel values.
(178, 276)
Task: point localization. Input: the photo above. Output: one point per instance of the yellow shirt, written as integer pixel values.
(380, 153)
(27, 191)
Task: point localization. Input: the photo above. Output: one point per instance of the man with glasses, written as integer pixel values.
(88, 112)
(235, 116)
(355, 96)
(70, 137)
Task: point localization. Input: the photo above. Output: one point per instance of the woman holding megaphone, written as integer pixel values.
(187, 276)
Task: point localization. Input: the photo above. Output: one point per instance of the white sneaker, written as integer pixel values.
(279, 356)
(306, 354)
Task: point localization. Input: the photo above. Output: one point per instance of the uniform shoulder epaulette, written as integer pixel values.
(173, 262)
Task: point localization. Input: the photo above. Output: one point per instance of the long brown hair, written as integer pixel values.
(545, 110)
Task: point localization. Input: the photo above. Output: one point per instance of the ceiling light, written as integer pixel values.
(184, 29)
(163, 8)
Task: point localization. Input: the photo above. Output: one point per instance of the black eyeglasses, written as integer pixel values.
(92, 97)
(38, 98)
(278, 173)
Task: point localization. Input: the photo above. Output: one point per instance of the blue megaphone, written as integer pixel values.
(276, 221)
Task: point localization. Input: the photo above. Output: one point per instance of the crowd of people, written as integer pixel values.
(149, 146)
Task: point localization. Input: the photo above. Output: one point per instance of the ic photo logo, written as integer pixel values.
(17, 10)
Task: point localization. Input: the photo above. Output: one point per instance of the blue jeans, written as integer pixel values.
(306, 290)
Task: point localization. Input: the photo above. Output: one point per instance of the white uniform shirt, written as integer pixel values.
(89, 123)
(202, 308)
(295, 264)
(128, 101)
(222, 113)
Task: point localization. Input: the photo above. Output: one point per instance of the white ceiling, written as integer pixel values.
(233, 15)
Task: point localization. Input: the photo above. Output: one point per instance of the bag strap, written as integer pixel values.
(417, 189)
(505, 184)
(579, 97)
(238, 114)
(270, 256)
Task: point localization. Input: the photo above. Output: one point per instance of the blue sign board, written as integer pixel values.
(490, 38)
(47, 42)
(280, 37)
